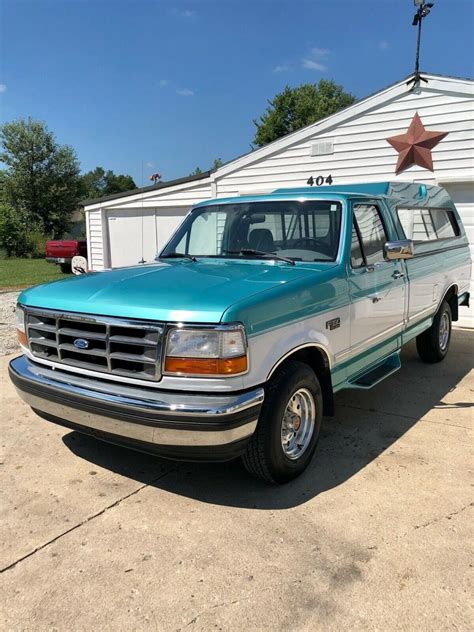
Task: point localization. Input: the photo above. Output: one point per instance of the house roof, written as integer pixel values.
(153, 187)
(373, 100)
(354, 110)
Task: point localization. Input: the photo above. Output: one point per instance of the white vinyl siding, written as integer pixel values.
(95, 245)
(361, 152)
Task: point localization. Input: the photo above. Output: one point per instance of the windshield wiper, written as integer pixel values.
(259, 253)
(177, 255)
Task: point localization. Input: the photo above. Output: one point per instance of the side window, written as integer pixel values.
(357, 258)
(372, 232)
(428, 224)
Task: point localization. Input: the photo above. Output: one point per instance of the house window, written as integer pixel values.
(428, 224)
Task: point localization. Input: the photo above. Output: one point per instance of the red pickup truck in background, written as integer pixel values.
(62, 251)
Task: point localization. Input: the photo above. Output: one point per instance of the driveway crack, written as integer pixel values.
(85, 521)
(445, 517)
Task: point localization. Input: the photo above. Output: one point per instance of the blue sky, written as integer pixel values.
(174, 85)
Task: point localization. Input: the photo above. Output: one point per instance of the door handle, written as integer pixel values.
(398, 275)
(375, 298)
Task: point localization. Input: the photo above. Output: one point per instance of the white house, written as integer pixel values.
(351, 146)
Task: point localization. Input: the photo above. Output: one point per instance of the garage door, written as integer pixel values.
(137, 235)
(463, 197)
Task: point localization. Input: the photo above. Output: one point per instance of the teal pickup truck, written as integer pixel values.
(259, 309)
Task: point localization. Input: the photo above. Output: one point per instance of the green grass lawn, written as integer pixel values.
(20, 273)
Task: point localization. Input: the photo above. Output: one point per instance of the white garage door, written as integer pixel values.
(463, 197)
(137, 235)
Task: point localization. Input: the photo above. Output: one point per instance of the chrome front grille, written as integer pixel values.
(127, 348)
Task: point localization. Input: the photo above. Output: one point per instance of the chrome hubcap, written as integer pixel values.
(444, 331)
(298, 424)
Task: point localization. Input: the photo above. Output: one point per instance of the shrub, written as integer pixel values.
(19, 236)
(36, 243)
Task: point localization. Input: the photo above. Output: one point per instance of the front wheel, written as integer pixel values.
(433, 344)
(65, 268)
(289, 425)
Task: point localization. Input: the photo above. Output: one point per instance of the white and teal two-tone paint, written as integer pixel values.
(345, 319)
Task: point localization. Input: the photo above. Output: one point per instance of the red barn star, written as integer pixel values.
(415, 146)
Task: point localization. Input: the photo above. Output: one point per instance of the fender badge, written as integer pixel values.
(334, 323)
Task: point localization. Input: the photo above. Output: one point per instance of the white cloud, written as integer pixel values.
(383, 45)
(310, 64)
(319, 52)
(148, 165)
(282, 68)
(3, 87)
(163, 82)
(185, 92)
(187, 13)
(314, 59)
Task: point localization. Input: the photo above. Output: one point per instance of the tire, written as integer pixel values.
(265, 456)
(433, 344)
(65, 267)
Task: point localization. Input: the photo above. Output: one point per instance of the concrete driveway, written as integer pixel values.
(376, 535)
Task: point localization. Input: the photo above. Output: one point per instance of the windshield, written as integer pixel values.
(301, 231)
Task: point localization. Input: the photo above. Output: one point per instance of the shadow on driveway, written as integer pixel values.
(365, 425)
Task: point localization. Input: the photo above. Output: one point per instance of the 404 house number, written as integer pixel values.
(318, 181)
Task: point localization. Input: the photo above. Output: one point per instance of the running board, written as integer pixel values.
(377, 374)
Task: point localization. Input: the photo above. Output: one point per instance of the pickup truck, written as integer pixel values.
(257, 311)
(62, 251)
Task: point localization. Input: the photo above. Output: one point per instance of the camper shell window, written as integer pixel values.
(428, 224)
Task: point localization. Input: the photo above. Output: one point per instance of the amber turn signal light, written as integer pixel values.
(206, 366)
(22, 338)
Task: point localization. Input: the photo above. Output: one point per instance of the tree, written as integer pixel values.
(295, 108)
(215, 165)
(42, 177)
(98, 182)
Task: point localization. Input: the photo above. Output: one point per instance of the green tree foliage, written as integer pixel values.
(295, 108)
(97, 183)
(215, 165)
(19, 237)
(41, 181)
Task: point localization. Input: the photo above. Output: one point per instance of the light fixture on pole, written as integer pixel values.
(423, 9)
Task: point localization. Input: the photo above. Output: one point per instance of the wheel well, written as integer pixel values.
(451, 297)
(318, 360)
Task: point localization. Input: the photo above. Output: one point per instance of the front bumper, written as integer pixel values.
(174, 425)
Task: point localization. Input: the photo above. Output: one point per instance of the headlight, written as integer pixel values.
(219, 351)
(20, 326)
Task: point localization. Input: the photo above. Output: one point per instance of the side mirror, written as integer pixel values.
(401, 249)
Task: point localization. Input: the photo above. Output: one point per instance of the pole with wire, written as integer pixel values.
(423, 9)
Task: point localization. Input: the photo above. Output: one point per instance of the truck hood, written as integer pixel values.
(167, 291)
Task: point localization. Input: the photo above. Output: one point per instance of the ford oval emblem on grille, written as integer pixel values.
(80, 343)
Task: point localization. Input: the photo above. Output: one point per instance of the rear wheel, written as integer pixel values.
(65, 267)
(289, 425)
(433, 344)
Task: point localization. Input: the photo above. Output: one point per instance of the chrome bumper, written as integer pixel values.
(178, 425)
